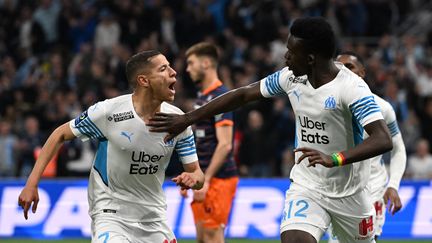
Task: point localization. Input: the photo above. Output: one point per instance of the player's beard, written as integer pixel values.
(198, 79)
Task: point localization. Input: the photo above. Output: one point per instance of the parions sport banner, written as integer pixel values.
(256, 214)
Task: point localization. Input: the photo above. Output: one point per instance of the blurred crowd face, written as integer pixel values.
(255, 120)
(422, 148)
(195, 68)
(161, 78)
(5, 128)
(32, 125)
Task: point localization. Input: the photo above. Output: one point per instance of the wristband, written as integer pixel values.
(338, 159)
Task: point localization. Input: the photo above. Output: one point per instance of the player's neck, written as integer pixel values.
(324, 72)
(209, 79)
(145, 106)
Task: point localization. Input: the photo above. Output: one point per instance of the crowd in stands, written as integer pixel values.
(58, 57)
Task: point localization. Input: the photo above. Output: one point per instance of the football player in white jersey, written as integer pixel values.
(384, 189)
(332, 106)
(125, 195)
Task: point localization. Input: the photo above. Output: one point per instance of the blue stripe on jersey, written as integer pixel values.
(187, 154)
(88, 128)
(357, 131)
(186, 149)
(393, 128)
(364, 107)
(186, 146)
(361, 101)
(272, 84)
(295, 137)
(186, 140)
(100, 163)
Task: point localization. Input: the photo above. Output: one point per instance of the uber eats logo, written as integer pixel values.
(306, 135)
(143, 163)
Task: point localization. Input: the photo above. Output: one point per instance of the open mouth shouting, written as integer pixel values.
(171, 87)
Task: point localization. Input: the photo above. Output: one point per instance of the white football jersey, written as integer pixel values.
(379, 177)
(129, 166)
(329, 119)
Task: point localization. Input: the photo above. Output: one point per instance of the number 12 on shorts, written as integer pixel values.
(295, 208)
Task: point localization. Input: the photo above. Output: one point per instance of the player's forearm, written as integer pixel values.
(50, 148)
(226, 102)
(397, 162)
(220, 154)
(378, 143)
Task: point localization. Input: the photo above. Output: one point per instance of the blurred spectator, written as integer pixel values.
(107, 31)
(288, 161)
(8, 146)
(253, 153)
(420, 164)
(46, 15)
(30, 140)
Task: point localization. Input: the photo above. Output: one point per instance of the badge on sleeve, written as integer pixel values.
(81, 118)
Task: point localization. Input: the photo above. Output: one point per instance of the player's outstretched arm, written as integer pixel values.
(377, 143)
(192, 178)
(174, 124)
(30, 194)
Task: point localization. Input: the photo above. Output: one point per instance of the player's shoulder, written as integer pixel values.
(117, 101)
(287, 74)
(219, 90)
(349, 78)
(169, 108)
(384, 105)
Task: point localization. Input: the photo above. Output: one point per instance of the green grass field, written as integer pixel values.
(186, 241)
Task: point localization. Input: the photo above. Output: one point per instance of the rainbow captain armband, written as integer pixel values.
(338, 159)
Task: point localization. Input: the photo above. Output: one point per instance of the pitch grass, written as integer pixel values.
(185, 241)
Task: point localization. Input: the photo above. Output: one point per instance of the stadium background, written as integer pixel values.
(57, 57)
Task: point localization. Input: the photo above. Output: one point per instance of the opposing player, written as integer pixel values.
(384, 190)
(125, 195)
(211, 205)
(332, 106)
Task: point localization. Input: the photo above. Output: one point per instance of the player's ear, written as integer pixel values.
(311, 59)
(205, 62)
(362, 73)
(142, 80)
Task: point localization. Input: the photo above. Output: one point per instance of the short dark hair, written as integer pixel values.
(204, 49)
(317, 35)
(351, 53)
(137, 63)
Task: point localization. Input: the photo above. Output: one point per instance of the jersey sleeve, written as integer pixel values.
(398, 154)
(277, 83)
(390, 119)
(91, 124)
(185, 147)
(224, 119)
(361, 103)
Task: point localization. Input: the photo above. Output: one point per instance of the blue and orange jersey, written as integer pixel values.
(205, 132)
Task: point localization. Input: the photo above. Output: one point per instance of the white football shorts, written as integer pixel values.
(110, 229)
(352, 217)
